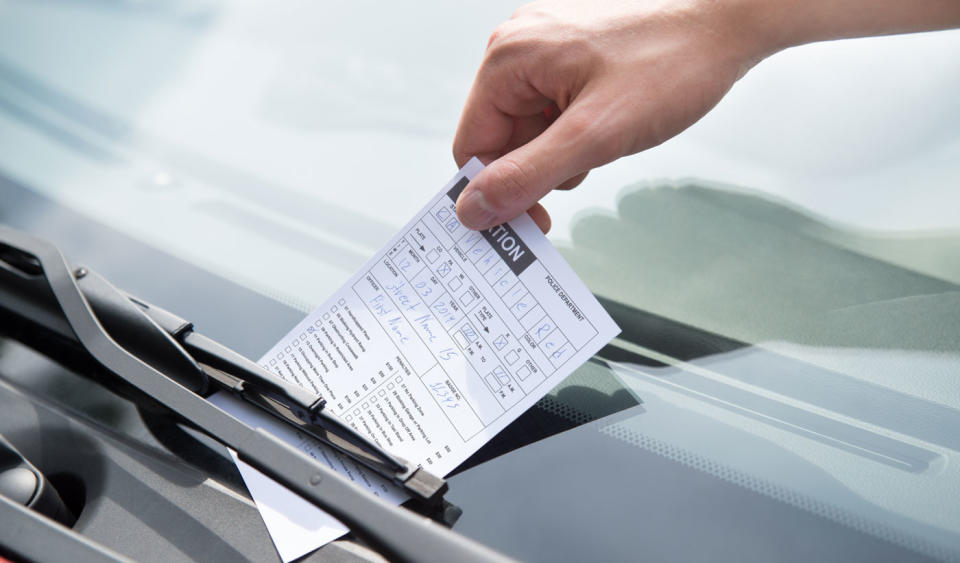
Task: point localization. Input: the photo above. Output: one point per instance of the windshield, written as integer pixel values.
(785, 272)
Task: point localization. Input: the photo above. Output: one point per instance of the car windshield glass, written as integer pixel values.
(785, 272)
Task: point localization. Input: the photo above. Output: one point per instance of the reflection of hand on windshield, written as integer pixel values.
(567, 85)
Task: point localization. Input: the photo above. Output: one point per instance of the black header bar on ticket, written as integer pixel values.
(508, 245)
(454, 192)
(502, 238)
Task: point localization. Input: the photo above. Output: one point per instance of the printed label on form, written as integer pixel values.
(442, 339)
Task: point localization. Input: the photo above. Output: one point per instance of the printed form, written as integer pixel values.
(439, 342)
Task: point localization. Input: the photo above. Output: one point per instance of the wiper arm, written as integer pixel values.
(160, 355)
(171, 345)
(232, 372)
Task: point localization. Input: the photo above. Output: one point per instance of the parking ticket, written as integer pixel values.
(434, 346)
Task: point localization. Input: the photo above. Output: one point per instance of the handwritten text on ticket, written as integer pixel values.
(441, 340)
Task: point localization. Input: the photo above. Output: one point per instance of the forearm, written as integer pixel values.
(786, 23)
(626, 75)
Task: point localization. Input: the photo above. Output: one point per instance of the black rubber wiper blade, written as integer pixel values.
(295, 406)
(170, 344)
(33, 274)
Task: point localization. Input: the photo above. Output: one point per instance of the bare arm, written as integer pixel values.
(569, 85)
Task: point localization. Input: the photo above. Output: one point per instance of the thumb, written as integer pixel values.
(514, 182)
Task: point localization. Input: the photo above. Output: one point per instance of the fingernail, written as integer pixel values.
(475, 211)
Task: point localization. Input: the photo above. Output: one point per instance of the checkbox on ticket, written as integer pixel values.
(523, 373)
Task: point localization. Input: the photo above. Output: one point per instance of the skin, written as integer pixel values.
(567, 85)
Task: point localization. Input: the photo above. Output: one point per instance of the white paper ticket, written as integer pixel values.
(440, 341)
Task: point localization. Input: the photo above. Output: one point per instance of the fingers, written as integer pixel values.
(525, 129)
(488, 123)
(540, 216)
(572, 182)
(482, 132)
(513, 183)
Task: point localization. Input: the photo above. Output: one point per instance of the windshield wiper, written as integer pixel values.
(160, 356)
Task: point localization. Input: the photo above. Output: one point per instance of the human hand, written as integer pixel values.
(567, 86)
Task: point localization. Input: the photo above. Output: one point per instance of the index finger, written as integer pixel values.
(486, 124)
(482, 132)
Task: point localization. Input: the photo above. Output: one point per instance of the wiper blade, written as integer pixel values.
(171, 345)
(294, 405)
(233, 372)
(158, 354)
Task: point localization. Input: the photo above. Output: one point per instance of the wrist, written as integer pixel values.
(749, 31)
(769, 26)
(764, 27)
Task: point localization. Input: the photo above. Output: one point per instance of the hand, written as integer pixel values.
(568, 86)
